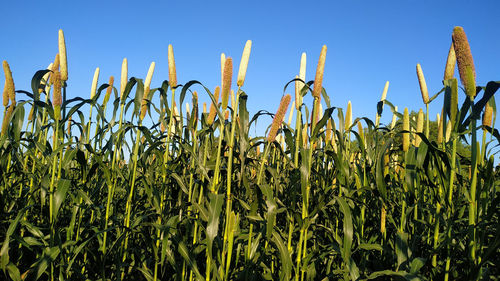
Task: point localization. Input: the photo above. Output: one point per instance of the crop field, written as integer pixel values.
(113, 186)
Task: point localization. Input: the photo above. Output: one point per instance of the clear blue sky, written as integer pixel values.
(369, 42)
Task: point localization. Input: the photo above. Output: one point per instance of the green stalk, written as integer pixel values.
(472, 203)
(259, 181)
(111, 188)
(436, 234)
(51, 188)
(230, 163)
(450, 208)
(229, 176)
(427, 120)
(128, 207)
(215, 180)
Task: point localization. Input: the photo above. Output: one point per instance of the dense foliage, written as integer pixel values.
(190, 196)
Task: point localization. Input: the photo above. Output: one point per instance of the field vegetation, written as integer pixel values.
(177, 190)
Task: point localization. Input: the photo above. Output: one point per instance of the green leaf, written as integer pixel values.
(60, 194)
(348, 238)
(214, 211)
(192, 263)
(13, 272)
(285, 257)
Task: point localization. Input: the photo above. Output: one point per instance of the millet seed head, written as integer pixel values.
(465, 62)
(318, 80)
(384, 93)
(406, 127)
(109, 90)
(123, 79)
(451, 61)
(63, 57)
(244, 64)
(278, 118)
(9, 88)
(57, 99)
(488, 115)
(55, 67)
(93, 89)
(172, 74)
(226, 85)
(213, 110)
(423, 85)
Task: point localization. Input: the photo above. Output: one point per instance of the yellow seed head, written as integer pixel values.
(448, 131)
(406, 127)
(109, 90)
(149, 76)
(278, 118)
(226, 115)
(464, 61)
(244, 64)
(57, 100)
(222, 65)
(348, 116)
(6, 119)
(9, 91)
(318, 80)
(177, 117)
(423, 85)
(488, 115)
(420, 127)
(187, 109)
(145, 97)
(124, 78)
(204, 107)
(302, 70)
(298, 84)
(213, 109)
(450, 63)
(360, 131)
(290, 116)
(93, 89)
(328, 133)
(298, 96)
(55, 67)
(382, 219)
(5, 95)
(384, 93)
(393, 122)
(440, 128)
(172, 75)
(62, 53)
(226, 85)
(304, 137)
